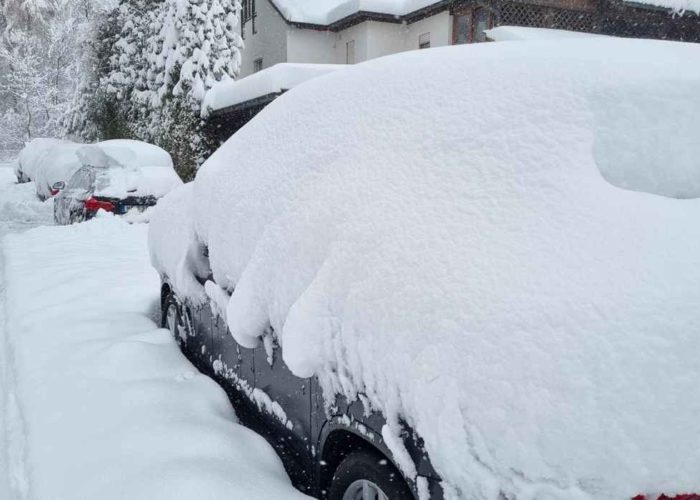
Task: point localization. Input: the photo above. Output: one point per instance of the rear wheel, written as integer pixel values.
(174, 318)
(364, 475)
(76, 212)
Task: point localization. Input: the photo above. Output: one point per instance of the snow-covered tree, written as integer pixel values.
(40, 64)
(200, 46)
(161, 56)
(26, 16)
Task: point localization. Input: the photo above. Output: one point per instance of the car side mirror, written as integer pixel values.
(58, 186)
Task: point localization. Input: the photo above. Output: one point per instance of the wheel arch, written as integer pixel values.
(342, 436)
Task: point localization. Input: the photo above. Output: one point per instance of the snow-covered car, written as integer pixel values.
(124, 177)
(466, 272)
(36, 154)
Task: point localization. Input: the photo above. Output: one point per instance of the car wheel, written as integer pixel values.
(174, 319)
(76, 215)
(364, 475)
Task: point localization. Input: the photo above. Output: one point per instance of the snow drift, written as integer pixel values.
(111, 408)
(487, 241)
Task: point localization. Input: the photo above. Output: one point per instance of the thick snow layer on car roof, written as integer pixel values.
(32, 154)
(130, 153)
(122, 182)
(497, 243)
(329, 11)
(57, 163)
(130, 168)
(520, 33)
(104, 405)
(272, 80)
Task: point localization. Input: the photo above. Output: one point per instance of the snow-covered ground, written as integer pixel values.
(97, 401)
(19, 210)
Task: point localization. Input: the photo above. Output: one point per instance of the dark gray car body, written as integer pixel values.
(310, 438)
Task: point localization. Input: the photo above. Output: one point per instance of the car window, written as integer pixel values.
(83, 180)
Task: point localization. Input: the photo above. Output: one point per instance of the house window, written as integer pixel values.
(461, 28)
(350, 52)
(257, 64)
(249, 13)
(424, 41)
(483, 20)
(254, 16)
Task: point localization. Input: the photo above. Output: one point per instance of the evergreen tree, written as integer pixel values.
(201, 46)
(163, 57)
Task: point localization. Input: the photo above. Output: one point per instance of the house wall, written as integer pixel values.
(439, 26)
(359, 33)
(310, 46)
(377, 39)
(384, 39)
(270, 42)
(276, 41)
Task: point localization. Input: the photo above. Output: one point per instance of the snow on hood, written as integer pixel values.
(486, 240)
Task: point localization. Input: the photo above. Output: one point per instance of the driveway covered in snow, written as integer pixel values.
(19, 210)
(98, 402)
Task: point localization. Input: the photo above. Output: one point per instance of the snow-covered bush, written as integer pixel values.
(459, 235)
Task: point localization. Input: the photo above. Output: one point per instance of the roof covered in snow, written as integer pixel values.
(272, 80)
(329, 11)
(496, 242)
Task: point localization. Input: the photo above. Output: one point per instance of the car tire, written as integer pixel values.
(369, 470)
(175, 319)
(76, 216)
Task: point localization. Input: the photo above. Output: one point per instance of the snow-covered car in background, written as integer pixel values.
(43, 153)
(472, 269)
(124, 177)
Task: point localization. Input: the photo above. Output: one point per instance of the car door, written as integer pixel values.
(285, 401)
(78, 189)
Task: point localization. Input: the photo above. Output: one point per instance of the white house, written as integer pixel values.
(290, 41)
(339, 31)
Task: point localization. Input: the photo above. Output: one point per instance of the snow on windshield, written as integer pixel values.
(441, 237)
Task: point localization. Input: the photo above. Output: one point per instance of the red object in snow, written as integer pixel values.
(93, 205)
(54, 192)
